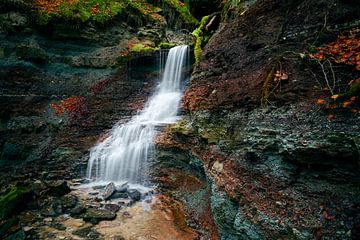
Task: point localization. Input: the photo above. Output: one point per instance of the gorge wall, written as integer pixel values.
(262, 155)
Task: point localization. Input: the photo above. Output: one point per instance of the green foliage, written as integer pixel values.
(200, 38)
(11, 202)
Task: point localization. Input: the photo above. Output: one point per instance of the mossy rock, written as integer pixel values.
(32, 53)
(141, 48)
(167, 45)
(14, 201)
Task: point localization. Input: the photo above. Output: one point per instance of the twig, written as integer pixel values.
(326, 77)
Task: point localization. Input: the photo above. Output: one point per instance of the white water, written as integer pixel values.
(123, 155)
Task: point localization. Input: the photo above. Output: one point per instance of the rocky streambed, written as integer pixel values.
(74, 210)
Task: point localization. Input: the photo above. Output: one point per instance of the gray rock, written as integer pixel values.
(68, 201)
(32, 53)
(109, 191)
(134, 194)
(95, 215)
(112, 207)
(231, 224)
(20, 235)
(58, 188)
(87, 233)
(119, 195)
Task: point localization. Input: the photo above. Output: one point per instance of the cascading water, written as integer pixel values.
(122, 155)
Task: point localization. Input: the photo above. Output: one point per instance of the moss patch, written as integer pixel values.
(141, 48)
(200, 38)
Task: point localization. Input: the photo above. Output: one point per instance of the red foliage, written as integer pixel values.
(74, 106)
(346, 50)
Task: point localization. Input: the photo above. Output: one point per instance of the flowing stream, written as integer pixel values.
(123, 155)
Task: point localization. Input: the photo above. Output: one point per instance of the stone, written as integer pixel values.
(119, 195)
(19, 235)
(109, 190)
(78, 210)
(95, 215)
(122, 188)
(58, 188)
(134, 194)
(32, 53)
(112, 207)
(87, 233)
(68, 201)
(48, 219)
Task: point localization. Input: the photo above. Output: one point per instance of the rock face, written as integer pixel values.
(272, 163)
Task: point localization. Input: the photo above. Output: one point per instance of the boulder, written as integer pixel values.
(119, 195)
(134, 194)
(109, 191)
(112, 207)
(95, 215)
(58, 188)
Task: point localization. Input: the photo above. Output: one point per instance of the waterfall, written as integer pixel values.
(123, 155)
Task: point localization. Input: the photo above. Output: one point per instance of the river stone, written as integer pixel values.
(19, 235)
(109, 191)
(119, 195)
(68, 201)
(87, 233)
(95, 215)
(58, 188)
(134, 194)
(112, 207)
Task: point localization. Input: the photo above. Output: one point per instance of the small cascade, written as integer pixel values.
(123, 155)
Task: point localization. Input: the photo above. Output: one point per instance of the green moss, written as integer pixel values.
(167, 45)
(83, 10)
(267, 84)
(183, 12)
(12, 201)
(141, 48)
(200, 38)
(182, 127)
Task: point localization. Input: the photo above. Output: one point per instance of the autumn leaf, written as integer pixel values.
(321, 101)
(347, 104)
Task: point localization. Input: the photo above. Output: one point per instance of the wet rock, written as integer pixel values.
(122, 188)
(58, 188)
(119, 195)
(32, 53)
(19, 235)
(109, 190)
(134, 194)
(112, 207)
(98, 187)
(95, 215)
(38, 187)
(87, 233)
(231, 224)
(68, 201)
(126, 202)
(48, 211)
(78, 210)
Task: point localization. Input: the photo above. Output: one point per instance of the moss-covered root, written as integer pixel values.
(267, 84)
(13, 201)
